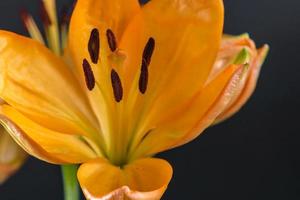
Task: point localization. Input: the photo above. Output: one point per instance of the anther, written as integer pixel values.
(143, 81)
(148, 51)
(111, 39)
(146, 135)
(24, 16)
(94, 45)
(66, 12)
(89, 75)
(65, 17)
(116, 85)
(45, 15)
(147, 55)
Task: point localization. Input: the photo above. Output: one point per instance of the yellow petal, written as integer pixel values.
(249, 87)
(43, 143)
(180, 126)
(144, 179)
(37, 83)
(11, 155)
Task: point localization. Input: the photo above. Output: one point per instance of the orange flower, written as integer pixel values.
(133, 81)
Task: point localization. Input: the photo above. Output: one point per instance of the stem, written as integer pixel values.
(71, 187)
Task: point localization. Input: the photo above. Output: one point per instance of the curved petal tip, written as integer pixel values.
(144, 179)
(11, 156)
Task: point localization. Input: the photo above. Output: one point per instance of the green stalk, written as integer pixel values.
(70, 183)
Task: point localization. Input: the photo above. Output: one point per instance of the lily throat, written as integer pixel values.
(120, 141)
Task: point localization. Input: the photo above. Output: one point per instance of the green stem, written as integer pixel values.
(71, 187)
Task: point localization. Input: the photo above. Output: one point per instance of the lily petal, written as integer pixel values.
(93, 24)
(185, 32)
(37, 83)
(11, 155)
(144, 179)
(184, 37)
(43, 143)
(249, 87)
(182, 126)
(102, 14)
(231, 47)
(89, 26)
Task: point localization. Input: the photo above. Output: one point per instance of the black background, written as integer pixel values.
(254, 155)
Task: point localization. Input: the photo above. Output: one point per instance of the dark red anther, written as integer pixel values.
(45, 15)
(116, 85)
(148, 50)
(94, 45)
(89, 75)
(111, 39)
(147, 55)
(143, 81)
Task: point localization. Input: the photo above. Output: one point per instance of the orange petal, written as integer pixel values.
(43, 143)
(11, 155)
(39, 84)
(187, 36)
(177, 50)
(113, 14)
(90, 21)
(144, 179)
(96, 17)
(185, 32)
(230, 48)
(249, 87)
(182, 126)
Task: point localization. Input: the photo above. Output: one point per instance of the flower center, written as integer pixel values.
(118, 145)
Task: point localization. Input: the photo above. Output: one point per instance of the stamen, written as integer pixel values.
(89, 75)
(64, 21)
(31, 26)
(24, 16)
(148, 51)
(65, 17)
(143, 81)
(66, 12)
(45, 15)
(116, 85)
(146, 135)
(94, 45)
(111, 39)
(147, 55)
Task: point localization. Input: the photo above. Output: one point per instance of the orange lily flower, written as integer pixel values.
(134, 81)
